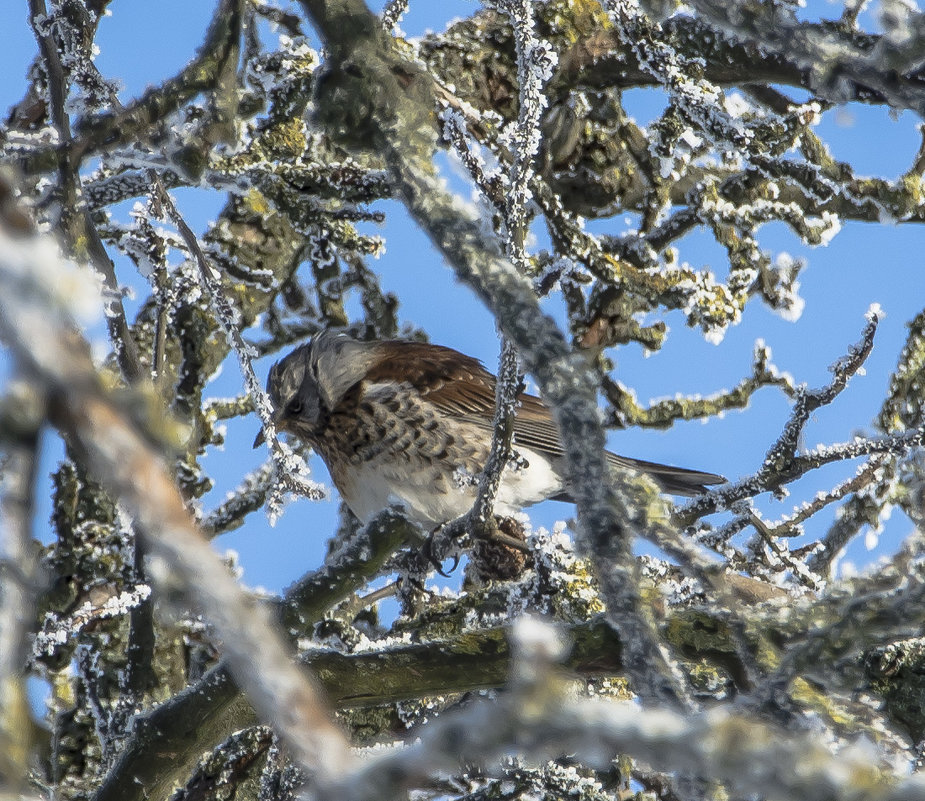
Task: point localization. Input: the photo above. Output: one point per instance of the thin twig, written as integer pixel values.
(394, 10)
(78, 226)
(781, 464)
(790, 526)
(290, 468)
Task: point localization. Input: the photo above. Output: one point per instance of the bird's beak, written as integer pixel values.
(261, 436)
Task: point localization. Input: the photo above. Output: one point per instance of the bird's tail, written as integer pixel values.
(673, 480)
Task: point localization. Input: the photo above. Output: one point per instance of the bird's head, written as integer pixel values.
(308, 383)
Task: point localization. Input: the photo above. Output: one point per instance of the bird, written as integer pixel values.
(400, 422)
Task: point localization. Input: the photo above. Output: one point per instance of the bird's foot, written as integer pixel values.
(437, 548)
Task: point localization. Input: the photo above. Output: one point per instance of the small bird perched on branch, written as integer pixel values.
(409, 423)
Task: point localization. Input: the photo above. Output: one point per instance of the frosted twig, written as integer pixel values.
(809, 400)
(87, 673)
(489, 183)
(507, 388)
(535, 62)
(509, 382)
(781, 464)
(896, 444)
(394, 10)
(148, 248)
(698, 100)
(56, 631)
(248, 497)
(112, 129)
(772, 477)
(502, 456)
(77, 224)
(790, 526)
(287, 20)
(661, 413)
(290, 468)
(827, 50)
(780, 558)
(225, 408)
(856, 513)
(811, 573)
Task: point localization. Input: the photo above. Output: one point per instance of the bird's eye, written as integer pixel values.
(294, 407)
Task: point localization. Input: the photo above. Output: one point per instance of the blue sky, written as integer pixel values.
(143, 43)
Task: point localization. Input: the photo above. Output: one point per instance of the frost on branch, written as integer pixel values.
(760, 634)
(56, 633)
(769, 552)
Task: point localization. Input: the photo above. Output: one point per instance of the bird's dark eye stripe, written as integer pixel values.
(294, 406)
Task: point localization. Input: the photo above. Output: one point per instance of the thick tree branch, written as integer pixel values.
(545, 723)
(35, 323)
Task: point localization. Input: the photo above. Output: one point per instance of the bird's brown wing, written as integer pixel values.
(457, 384)
(461, 387)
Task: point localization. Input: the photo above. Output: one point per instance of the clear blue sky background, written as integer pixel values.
(143, 43)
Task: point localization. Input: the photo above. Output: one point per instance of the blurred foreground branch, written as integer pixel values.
(36, 321)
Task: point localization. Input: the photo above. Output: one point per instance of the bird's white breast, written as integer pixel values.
(432, 497)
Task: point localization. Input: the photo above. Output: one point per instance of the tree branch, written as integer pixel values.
(371, 96)
(36, 324)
